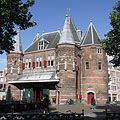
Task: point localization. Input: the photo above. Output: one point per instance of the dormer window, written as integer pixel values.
(42, 44)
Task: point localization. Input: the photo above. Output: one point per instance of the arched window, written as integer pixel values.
(99, 65)
(87, 65)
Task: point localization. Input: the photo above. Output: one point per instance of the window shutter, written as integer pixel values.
(23, 65)
(45, 63)
(80, 96)
(77, 96)
(33, 64)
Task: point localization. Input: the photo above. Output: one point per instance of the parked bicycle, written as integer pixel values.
(69, 102)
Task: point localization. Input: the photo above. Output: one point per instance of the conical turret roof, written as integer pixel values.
(66, 35)
(18, 45)
(91, 36)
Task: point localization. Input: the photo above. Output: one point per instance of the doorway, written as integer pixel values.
(89, 97)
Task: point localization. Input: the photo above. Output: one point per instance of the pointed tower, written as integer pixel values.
(18, 45)
(36, 37)
(93, 67)
(67, 36)
(14, 62)
(66, 60)
(91, 36)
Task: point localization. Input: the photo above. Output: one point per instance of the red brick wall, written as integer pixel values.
(94, 79)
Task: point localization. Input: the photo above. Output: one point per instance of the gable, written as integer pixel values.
(52, 38)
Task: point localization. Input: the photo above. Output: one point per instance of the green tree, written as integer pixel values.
(13, 13)
(111, 42)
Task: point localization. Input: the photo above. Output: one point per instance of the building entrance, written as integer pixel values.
(89, 97)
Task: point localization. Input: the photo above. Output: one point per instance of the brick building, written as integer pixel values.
(62, 64)
(114, 83)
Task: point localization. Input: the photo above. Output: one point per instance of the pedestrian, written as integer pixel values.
(93, 103)
(46, 103)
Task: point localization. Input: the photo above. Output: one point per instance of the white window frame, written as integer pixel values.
(30, 63)
(27, 63)
(99, 50)
(50, 60)
(41, 46)
(39, 61)
(11, 70)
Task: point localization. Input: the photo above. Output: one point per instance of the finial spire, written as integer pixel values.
(18, 45)
(68, 11)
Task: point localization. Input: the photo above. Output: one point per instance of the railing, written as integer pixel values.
(36, 116)
(112, 115)
(11, 108)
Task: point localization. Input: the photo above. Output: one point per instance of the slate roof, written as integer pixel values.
(66, 35)
(52, 38)
(74, 31)
(71, 31)
(91, 36)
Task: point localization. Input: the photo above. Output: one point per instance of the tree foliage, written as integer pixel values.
(12, 13)
(112, 41)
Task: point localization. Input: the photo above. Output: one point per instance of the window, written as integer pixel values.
(99, 51)
(99, 65)
(87, 65)
(108, 87)
(15, 62)
(41, 45)
(39, 61)
(11, 71)
(50, 60)
(19, 70)
(28, 63)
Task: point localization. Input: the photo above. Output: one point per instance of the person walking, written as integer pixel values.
(46, 103)
(93, 103)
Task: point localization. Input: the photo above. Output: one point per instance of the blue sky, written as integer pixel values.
(50, 16)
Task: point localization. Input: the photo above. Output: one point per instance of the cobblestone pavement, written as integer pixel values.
(97, 114)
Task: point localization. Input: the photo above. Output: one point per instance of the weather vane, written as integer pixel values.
(68, 11)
